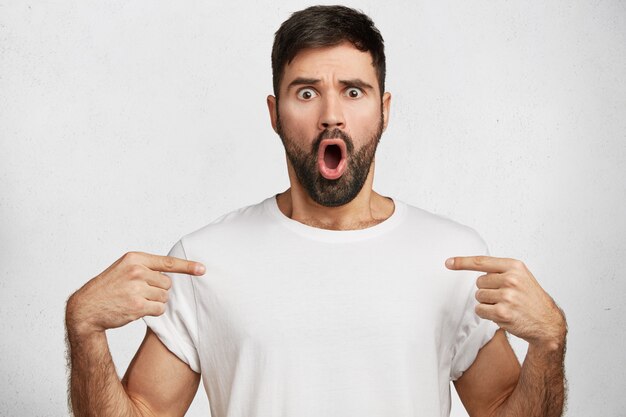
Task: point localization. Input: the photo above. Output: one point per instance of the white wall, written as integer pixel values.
(126, 124)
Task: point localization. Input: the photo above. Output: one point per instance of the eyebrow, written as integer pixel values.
(354, 82)
(303, 81)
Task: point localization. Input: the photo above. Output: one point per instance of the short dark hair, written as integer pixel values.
(319, 26)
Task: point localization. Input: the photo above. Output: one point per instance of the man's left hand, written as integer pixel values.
(510, 296)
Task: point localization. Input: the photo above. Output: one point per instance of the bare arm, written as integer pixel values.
(494, 386)
(130, 288)
(510, 296)
(157, 377)
(540, 390)
(95, 389)
(491, 379)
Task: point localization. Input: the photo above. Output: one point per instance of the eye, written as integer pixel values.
(306, 94)
(354, 92)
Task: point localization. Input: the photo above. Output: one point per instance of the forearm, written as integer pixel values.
(95, 388)
(540, 391)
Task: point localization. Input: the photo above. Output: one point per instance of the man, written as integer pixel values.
(329, 298)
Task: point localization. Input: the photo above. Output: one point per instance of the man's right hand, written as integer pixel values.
(131, 288)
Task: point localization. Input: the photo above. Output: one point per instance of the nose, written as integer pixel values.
(331, 115)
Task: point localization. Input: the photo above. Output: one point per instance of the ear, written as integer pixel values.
(271, 106)
(386, 107)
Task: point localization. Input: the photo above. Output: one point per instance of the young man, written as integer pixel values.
(329, 298)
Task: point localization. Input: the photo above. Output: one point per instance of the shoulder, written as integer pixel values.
(234, 223)
(442, 230)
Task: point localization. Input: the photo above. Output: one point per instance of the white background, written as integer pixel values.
(127, 124)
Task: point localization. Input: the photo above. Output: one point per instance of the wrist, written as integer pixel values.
(554, 336)
(77, 326)
(551, 344)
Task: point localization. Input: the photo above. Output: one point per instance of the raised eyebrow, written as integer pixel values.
(356, 83)
(303, 81)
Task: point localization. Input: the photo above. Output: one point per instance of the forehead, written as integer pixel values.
(342, 61)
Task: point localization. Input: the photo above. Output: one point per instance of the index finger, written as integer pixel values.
(171, 264)
(479, 263)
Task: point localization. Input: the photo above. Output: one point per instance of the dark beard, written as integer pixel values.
(331, 193)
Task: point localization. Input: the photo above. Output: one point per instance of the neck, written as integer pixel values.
(367, 209)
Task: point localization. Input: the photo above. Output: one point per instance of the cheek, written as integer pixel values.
(366, 110)
(296, 110)
(363, 119)
(297, 118)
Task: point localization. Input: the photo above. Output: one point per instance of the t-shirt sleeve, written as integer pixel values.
(472, 333)
(177, 328)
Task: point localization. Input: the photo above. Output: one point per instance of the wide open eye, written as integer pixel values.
(354, 92)
(306, 93)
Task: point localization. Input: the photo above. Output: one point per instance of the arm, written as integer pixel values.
(510, 296)
(95, 389)
(491, 379)
(541, 382)
(157, 377)
(157, 382)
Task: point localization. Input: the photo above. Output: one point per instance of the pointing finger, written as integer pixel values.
(172, 264)
(165, 263)
(480, 263)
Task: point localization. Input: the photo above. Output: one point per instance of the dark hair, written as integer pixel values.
(319, 26)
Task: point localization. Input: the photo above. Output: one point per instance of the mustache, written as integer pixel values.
(330, 134)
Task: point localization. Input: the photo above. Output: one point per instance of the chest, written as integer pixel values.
(333, 298)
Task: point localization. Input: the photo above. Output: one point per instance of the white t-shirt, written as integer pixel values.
(295, 321)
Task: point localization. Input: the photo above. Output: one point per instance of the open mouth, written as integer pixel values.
(332, 156)
(331, 159)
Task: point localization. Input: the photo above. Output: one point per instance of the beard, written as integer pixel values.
(340, 191)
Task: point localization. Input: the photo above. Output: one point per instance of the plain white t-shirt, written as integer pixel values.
(295, 321)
